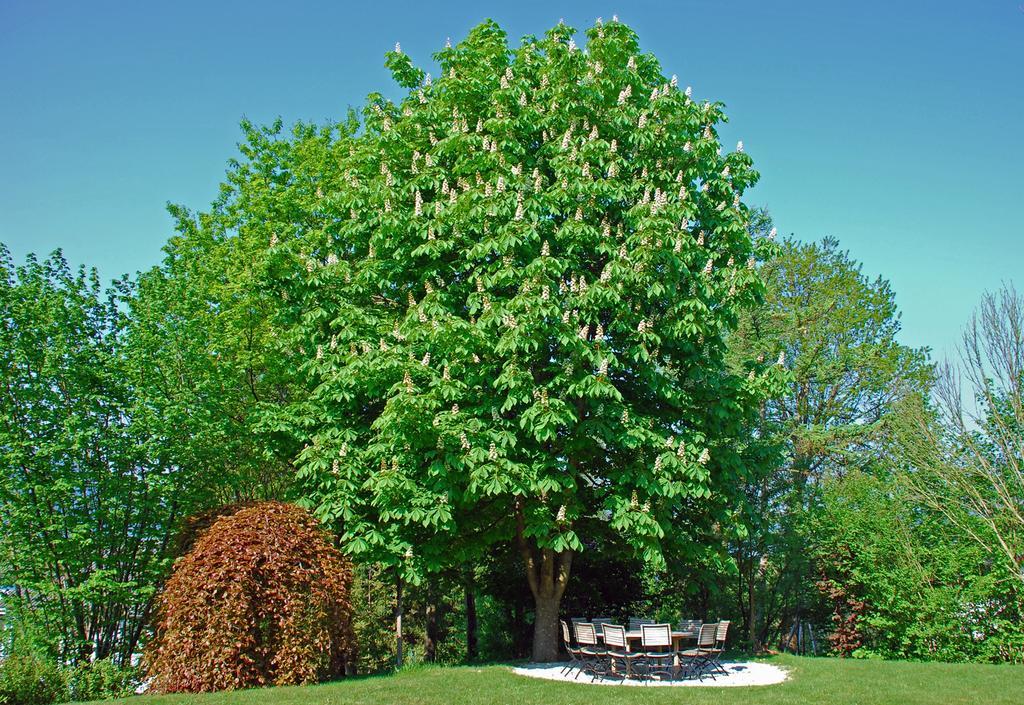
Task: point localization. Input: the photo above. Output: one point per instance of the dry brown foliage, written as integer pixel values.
(261, 599)
(837, 584)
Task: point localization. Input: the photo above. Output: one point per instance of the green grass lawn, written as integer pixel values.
(811, 680)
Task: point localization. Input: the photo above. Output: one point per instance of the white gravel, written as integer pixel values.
(741, 673)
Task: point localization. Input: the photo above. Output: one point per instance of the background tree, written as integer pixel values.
(968, 455)
(510, 294)
(201, 336)
(838, 331)
(86, 512)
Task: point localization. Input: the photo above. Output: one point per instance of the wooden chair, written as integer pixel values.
(636, 622)
(618, 651)
(592, 655)
(575, 659)
(690, 625)
(599, 623)
(694, 661)
(714, 658)
(659, 656)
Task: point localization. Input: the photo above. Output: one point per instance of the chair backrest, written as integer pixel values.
(721, 633)
(636, 622)
(599, 623)
(706, 637)
(585, 634)
(656, 635)
(690, 625)
(614, 635)
(566, 639)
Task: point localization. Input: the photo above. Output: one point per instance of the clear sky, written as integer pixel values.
(896, 126)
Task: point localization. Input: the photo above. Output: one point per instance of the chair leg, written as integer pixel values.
(709, 665)
(658, 666)
(697, 667)
(587, 666)
(574, 663)
(584, 666)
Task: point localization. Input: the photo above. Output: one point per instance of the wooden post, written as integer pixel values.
(398, 622)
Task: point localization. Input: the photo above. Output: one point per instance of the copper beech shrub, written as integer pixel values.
(262, 598)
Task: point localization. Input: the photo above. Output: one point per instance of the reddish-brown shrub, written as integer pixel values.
(194, 526)
(261, 599)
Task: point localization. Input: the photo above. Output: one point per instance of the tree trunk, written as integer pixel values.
(547, 572)
(430, 615)
(751, 615)
(757, 593)
(545, 628)
(472, 651)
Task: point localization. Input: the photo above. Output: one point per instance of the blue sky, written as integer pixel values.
(894, 126)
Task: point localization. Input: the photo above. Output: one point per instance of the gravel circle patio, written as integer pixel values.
(740, 673)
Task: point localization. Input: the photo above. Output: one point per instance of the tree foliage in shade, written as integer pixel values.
(508, 294)
(261, 599)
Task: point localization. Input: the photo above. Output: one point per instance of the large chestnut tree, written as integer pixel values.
(508, 294)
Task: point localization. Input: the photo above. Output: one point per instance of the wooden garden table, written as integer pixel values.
(636, 636)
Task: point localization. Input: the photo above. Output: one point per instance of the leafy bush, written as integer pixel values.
(906, 584)
(374, 623)
(261, 599)
(101, 680)
(30, 679)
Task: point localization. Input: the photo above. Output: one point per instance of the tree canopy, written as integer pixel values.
(508, 294)
(837, 328)
(87, 506)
